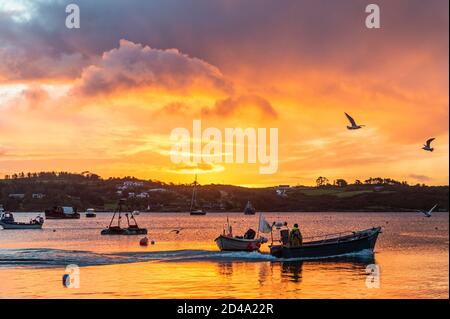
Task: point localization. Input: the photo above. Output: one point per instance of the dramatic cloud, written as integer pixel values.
(18, 64)
(83, 99)
(134, 66)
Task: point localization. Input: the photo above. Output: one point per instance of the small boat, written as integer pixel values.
(197, 212)
(132, 229)
(7, 222)
(194, 210)
(136, 212)
(331, 245)
(229, 243)
(249, 242)
(61, 212)
(249, 209)
(90, 213)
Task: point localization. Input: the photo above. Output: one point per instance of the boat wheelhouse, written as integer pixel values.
(62, 212)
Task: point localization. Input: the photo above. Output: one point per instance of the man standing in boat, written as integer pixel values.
(295, 237)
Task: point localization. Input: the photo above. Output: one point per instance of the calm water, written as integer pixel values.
(412, 254)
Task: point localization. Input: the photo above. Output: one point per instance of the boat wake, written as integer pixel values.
(46, 257)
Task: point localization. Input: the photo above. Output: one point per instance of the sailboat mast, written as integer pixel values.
(194, 193)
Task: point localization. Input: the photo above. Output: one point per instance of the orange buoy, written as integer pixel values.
(143, 241)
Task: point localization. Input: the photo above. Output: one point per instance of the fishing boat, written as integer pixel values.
(90, 213)
(62, 212)
(325, 246)
(249, 209)
(194, 210)
(251, 241)
(7, 222)
(132, 229)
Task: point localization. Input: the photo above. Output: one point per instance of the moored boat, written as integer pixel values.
(127, 231)
(90, 213)
(249, 209)
(197, 212)
(62, 212)
(194, 210)
(7, 222)
(331, 245)
(132, 229)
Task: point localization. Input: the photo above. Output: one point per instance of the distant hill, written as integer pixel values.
(39, 191)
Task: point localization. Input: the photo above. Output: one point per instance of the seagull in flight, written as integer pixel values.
(427, 145)
(428, 213)
(353, 123)
(176, 231)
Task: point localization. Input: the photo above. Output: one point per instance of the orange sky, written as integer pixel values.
(105, 98)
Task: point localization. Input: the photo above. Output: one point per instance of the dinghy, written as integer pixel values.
(132, 229)
(251, 241)
(229, 243)
(330, 245)
(7, 222)
(90, 213)
(62, 212)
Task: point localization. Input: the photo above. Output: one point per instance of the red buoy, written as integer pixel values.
(143, 241)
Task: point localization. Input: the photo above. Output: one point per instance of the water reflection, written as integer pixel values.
(225, 269)
(293, 270)
(190, 266)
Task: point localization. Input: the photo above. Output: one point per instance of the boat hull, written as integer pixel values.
(62, 216)
(124, 231)
(20, 226)
(359, 241)
(237, 244)
(90, 215)
(197, 213)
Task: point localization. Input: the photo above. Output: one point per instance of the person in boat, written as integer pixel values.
(250, 234)
(295, 237)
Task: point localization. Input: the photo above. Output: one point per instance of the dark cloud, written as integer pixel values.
(229, 34)
(134, 66)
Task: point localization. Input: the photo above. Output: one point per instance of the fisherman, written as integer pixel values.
(295, 237)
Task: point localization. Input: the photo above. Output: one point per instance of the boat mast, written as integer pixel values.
(259, 223)
(118, 210)
(194, 194)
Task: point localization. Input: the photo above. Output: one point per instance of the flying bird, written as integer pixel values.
(176, 231)
(427, 145)
(353, 126)
(428, 213)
